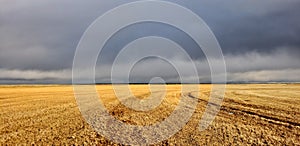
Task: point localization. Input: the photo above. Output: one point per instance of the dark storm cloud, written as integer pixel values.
(243, 26)
(38, 38)
(139, 30)
(44, 34)
(264, 33)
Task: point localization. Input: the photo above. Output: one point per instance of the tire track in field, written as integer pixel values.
(270, 119)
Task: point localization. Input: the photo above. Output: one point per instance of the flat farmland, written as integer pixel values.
(259, 114)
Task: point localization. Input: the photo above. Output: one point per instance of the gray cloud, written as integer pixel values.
(34, 74)
(258, 68)
(288, 75)
(259, 38)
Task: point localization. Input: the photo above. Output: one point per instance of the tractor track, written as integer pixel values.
(242, 110)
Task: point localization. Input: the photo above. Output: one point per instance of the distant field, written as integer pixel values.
(264, 114)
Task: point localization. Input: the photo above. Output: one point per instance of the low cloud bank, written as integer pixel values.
(278, 66)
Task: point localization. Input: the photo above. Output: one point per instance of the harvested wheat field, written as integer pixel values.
(259, 114)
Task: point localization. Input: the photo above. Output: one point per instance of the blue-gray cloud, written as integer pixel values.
(38, 38)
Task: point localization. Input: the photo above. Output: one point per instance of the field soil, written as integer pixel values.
(251, 114)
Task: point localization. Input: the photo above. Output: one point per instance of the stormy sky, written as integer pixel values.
(260, 40)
